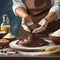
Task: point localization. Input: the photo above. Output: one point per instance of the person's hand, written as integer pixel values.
(26, 21)
(43, 25)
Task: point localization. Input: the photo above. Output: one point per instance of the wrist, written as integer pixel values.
(43, 22)
(25, 16)
(47, 20)
(51, 17)
(28, 20)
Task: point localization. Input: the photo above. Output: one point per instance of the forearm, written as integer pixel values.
(51, 17)
(21, 12)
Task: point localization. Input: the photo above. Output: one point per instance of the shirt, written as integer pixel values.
(55, 6)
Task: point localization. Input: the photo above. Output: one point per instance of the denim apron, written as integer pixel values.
(6, 7)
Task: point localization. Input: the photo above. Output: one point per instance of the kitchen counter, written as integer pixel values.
(17, 55)
(57, 55)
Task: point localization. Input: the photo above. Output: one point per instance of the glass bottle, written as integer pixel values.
(5, 26)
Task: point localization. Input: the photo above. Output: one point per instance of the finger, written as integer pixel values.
(29, 23)
(37, 30)
(26, 28)
(42, 22)
(23, 21)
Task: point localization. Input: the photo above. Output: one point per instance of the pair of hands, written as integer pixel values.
(27, 21)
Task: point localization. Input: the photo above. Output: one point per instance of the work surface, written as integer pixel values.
(17, 55)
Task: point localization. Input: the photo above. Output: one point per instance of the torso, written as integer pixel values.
(37, 6)
(38, 9)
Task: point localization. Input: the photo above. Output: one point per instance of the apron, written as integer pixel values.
(38, 9)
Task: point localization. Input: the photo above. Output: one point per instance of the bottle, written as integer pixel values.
(5, 26)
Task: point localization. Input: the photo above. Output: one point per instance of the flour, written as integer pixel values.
(56, 33)
(2, 32)
(9, 35)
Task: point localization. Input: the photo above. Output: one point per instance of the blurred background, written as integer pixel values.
(6, 8)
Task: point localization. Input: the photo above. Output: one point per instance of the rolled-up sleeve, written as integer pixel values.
(56, 8)
(17, 4)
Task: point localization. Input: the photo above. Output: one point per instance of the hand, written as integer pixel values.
(26, 21)
(43, 26)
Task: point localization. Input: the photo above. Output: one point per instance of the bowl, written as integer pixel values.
(55, 39)
(10, 39)
(2, 34)
(4, 42)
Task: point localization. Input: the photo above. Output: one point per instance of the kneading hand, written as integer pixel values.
(26, 21)
(43, 25)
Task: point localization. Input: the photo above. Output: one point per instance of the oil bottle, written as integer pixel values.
(5, 26)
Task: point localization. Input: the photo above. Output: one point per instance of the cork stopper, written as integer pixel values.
(5, 16)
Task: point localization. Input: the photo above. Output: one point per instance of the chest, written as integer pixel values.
(32, 4)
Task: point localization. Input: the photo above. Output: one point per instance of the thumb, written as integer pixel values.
(26, 28)
(37, 30)
(42, 22)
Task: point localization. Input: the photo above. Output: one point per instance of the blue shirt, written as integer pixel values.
(6, 7)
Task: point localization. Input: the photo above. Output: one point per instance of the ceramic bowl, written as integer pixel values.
(11, 39)
(2, 34)
(55, 39)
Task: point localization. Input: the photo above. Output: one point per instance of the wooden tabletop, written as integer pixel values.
(41, 57)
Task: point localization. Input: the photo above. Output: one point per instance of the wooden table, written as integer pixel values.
(41, 57)
(45, 57)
